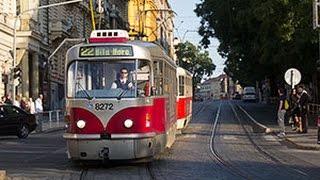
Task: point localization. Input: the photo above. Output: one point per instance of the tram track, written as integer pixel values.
(216, 156)
(260, 149)
(150, 171)
(83, 173)
(200, 109)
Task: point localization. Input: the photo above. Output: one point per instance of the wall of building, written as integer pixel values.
(8, 10)
(152, 20)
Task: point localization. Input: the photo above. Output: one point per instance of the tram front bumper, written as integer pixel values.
(118, 147)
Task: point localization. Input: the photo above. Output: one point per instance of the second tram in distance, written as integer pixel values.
(184, 98)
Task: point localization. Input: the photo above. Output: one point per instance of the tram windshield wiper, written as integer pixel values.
(123, 92)
(84, 91)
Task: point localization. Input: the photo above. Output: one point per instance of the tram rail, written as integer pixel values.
(216, 156)
(260, 149)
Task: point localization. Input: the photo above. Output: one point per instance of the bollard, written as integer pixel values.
(3, 175)
(57, 115)
(50, 116)
(318, 124)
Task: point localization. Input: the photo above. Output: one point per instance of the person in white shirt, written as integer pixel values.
(16, 102)
(32, 106)
(123, 82)
(38, 104)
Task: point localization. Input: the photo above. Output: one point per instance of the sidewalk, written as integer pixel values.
(267, 117)
(49, 126)
(306, 141)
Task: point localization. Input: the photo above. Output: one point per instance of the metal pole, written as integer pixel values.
(61, 44)
(92, 15)
(291, 80)
(13, 95)
(14, 46)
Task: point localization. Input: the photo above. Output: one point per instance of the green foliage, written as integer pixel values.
(194, 60)
(261, 38)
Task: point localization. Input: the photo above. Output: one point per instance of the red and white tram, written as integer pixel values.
(184, 98)
(113, 116)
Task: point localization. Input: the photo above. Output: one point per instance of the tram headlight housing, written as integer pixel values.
(81, 124)
(128, 123)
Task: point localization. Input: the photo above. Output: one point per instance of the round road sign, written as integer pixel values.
(292, 77)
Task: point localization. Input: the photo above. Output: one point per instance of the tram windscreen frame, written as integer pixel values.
(97, 79)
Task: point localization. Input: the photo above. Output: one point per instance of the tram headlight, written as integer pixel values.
(128, 123)
(81, 124)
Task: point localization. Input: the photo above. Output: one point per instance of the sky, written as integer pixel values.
(187, 23)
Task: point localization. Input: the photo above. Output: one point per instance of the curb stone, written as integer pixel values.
(268, 130)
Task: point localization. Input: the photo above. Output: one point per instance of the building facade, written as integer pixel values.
(152, 20)
(40, 32)
(221, 87)
(7, 14)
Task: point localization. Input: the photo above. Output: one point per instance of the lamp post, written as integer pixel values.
(15, 36)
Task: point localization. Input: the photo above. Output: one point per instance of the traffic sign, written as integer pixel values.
(292, 77)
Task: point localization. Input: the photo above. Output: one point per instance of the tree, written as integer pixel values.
(261, 38)
(194, 60)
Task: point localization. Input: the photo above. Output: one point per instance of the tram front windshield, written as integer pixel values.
(107, 79)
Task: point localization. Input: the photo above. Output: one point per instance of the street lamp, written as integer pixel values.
(15, 36)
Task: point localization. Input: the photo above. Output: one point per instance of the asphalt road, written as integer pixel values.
(219, 143)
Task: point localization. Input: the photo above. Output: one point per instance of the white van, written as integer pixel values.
(249, 94)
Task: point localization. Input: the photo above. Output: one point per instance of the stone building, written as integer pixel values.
(74, 21)
(7, 14)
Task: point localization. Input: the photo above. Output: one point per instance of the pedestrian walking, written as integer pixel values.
(282, 111)
(38, 104)
(303, 104)
(32, 106)
(294, 110)
(39, 111)
(24, 104)
(16, 102)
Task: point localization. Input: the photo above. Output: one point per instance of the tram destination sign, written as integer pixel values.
(105, 51)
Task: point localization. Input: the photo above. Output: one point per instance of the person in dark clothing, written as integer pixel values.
(303, 104)
(123, 82)
(294, 110)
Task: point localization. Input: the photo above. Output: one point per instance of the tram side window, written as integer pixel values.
(181, 85)
(158, 78)
(143, 78)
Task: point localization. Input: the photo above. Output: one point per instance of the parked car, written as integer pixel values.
(15, 121)
(249, 94)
